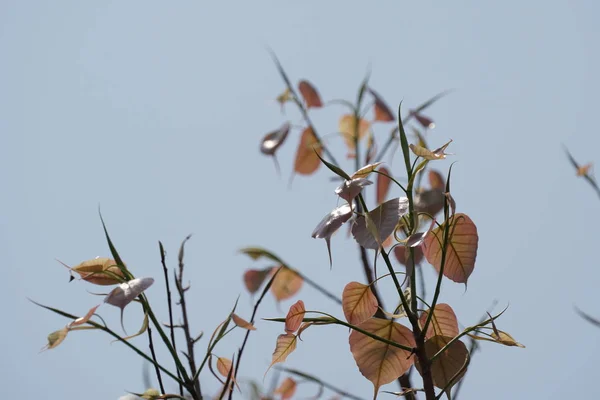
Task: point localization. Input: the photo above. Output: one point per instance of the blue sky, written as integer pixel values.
(155, 112)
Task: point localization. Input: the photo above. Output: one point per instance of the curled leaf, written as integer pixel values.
(365, 171)
(461, 250)
(437, 154)
(309, 94)
(383, 219)
(254, 278)
(286, 284)
(348, 190)
(382, 111)
(286, 344)
(358, 302)
(294, 317)
(443, 322)
(286, 389)
(242, 323)
(273, 140)
(331, 223)
(99, 271)
(307, 161)
(349, 126)
(56, 338)
(84, 319)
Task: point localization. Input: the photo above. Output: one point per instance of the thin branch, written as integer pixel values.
(158, 375)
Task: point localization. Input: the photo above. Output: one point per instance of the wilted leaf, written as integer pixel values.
(286, 344)
(307, 161)
(309, 94)
(384, 218)
(84, 319)
(436, 180)
(254, 278)
(294, 317)
(242, 323)
(286, 284)
(99, 271)
(443, 322)
(126, 292)
(383, 184)
(430, 201)
(273, 140)
(56, 338)
(382, 111)
(461, 250)
(448, 364)
(365, 171)
(359, 303)
(286, 389)
(379, 362)
(348, 127)
(331, 223)
(348, 190)
(437, 154)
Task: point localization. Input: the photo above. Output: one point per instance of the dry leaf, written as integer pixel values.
(286, 389)
(286, 284)
(273, 140)
(365, 171)
(84, 319)
(348, 128)
(307, 161)
(425, 122)
(359, 303)
(56, 338)
(309, 94)
(294, 317)
(443, 322)
(99, 271)
(437, 154)
(224, 366)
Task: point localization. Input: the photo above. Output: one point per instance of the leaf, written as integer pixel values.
(382, 111)
(294, 317)
(286, 344)
(437, 154)
(384, 217)
(461, 250)
(348, 190)
(140, 332)
(273, 140)
(443, 322)
(84, 319)
(124, 294)
(286, 284)
(402, 255)
(448, 364)
(286, 389)
(425, 122)
(436, 180)
(309, 94)
(242, 323)
(56, 338)
(348, 126)
(365, 171)
(99, 271)
(358, 302)
(417, 238)
(258, 252)
(254, 278)
(380, 362)
(331, 223)
(307, 162)
(584, 169)
(498, 336)
(284, 97)
(383, 184)
(430, 201)
(224, 366)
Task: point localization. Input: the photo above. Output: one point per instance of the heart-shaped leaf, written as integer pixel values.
(349, 126)
(449, 367)
(286, 284)
(242, 323)
(286, 344)
(383, 218)
(307, 161)
(294, 317)
(443, 322)
(359, 303)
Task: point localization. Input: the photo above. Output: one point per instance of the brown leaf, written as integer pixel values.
(286, 344)
(254, 278)
(461, 250)
(359, 303)
(309, 94)
(99, 271)
(348, 126)
(286, 284)
(425, 122)
(307, 161)
(294, 317)
(402, 255)
(436, 180)
(379, 362)
(224, 366)
(437, 154)
(443, 322)
(448, 364)
(84, 319)
(383, 184)
(286, 389)
(242, 323)
(382, 111)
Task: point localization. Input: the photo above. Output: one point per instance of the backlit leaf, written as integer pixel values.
(331, 223)
(254, 278)
(365, 171)
(242, 323)
(443, 322)
(437, 154)
(309, 94)
(430, 201)
(286, 389)
(99, 271)
(224, 366)
(448, 364)
(383, 184)
(84, 319)
(384, 219)
(348, 190)
(348, 126)
(359, 303)
(307, 161)
(56, 338)
(273, 140)
(403, 256)
(294, 317)
(286, 344)
(382, 111)
(461, 250)
(379, 362)
(436, 180)
(286, 284)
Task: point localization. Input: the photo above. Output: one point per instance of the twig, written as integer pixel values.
(171, 326)
(319, 381)
(158, 375)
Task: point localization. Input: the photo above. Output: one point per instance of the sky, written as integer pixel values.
(155, 112)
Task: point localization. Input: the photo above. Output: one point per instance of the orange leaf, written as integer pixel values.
(286, 344)
(99, 271)
(461, 250)
(307, 161)
(379, 362)
(348, 127)
(382, 111)
(584, 169)
(448, 364)
(294, 317)
(443, 322)
(242, 323)
(286, 389)
(310, 94)
(359, 303)
(436, 180)
(254, 278)
(383, 185)
(224, 366)
(86, 318)
(286, 284)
